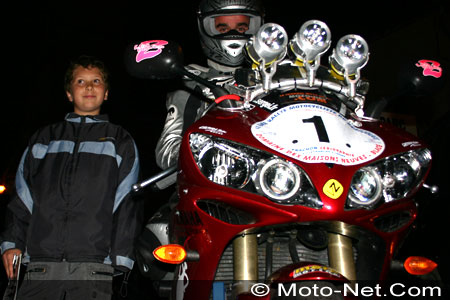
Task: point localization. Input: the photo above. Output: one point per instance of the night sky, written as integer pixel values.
(39, 39)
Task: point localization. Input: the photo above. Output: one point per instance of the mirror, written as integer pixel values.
(416, 78)
(154, 59)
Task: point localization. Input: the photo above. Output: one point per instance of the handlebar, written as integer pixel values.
(154, 179)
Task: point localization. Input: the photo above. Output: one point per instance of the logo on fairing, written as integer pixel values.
(149, 49)
(313, 268)
(333, 189)
(213, 130)
(411, 144)
(430, 68)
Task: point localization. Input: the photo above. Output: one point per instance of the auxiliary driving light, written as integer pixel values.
(311, 41)
(268, 45)
(350, 55)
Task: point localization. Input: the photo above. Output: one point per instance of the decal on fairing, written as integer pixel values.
(411, 144)
(314, 133)
(213, 130)
(182, 282)
(430, 68)
(301, 96)
(313, 268)
(265, 104)
(149, 49)
(333, 189)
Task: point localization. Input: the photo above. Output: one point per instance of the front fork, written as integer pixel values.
(245, 259)
(245, 262)
(340, 255)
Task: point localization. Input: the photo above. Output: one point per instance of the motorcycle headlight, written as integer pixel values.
(221, 163)
(237, 166)
(278, 179)
(366, 186)
(389, 179)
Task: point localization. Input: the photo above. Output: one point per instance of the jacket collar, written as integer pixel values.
(73, 117)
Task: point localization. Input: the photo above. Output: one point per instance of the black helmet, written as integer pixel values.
(226, 48)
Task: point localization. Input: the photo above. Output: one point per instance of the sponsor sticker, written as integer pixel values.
(149, 49)
(313, 268)
(430, 68)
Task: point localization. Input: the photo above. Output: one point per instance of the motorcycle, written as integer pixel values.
(285, 187)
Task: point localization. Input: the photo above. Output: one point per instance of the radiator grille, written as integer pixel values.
(281, 257)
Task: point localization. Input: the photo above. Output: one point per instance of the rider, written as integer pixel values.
(224, 28)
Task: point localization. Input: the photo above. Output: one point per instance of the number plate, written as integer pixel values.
(317, 134)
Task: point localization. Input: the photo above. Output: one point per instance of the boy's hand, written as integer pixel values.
(8, 262)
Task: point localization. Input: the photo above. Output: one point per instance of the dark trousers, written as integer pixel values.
(66, 281)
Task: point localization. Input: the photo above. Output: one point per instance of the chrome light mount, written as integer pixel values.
(311, 41)
(266, 49)
(348, 58)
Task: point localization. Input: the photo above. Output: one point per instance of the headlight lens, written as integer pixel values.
(366, 186)
(390, 179)
(224, 164)
(234, 165)
(278, 179)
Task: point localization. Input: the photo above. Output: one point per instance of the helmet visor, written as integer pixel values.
(224, 25)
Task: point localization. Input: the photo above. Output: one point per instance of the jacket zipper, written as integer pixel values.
(68, 182)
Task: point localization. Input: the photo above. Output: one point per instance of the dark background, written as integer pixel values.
(39, 39)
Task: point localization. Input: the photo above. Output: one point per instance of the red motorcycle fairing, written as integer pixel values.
(209, 236)
(196, 229)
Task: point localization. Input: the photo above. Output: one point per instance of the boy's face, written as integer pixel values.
(87, 91)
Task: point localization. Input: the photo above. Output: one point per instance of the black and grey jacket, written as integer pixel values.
(73, 199)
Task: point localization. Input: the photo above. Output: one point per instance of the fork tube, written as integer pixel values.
(292, 247)
(245, 262)
(340, 255)
(269, 255)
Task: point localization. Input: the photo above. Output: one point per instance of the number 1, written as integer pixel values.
(320, 128)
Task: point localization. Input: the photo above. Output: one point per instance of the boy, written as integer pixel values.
(72, 216)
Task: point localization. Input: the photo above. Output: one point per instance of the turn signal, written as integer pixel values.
(2, 188)
(171, 254)
(417, 265)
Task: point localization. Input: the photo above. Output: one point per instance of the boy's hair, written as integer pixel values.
(87, 62)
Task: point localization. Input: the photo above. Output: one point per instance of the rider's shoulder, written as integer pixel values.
(197, 69)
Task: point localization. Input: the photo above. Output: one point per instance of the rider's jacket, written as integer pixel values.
(184, 107)
(73, 199)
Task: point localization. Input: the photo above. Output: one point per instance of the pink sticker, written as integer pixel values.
(430, 68)
(149, 49)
